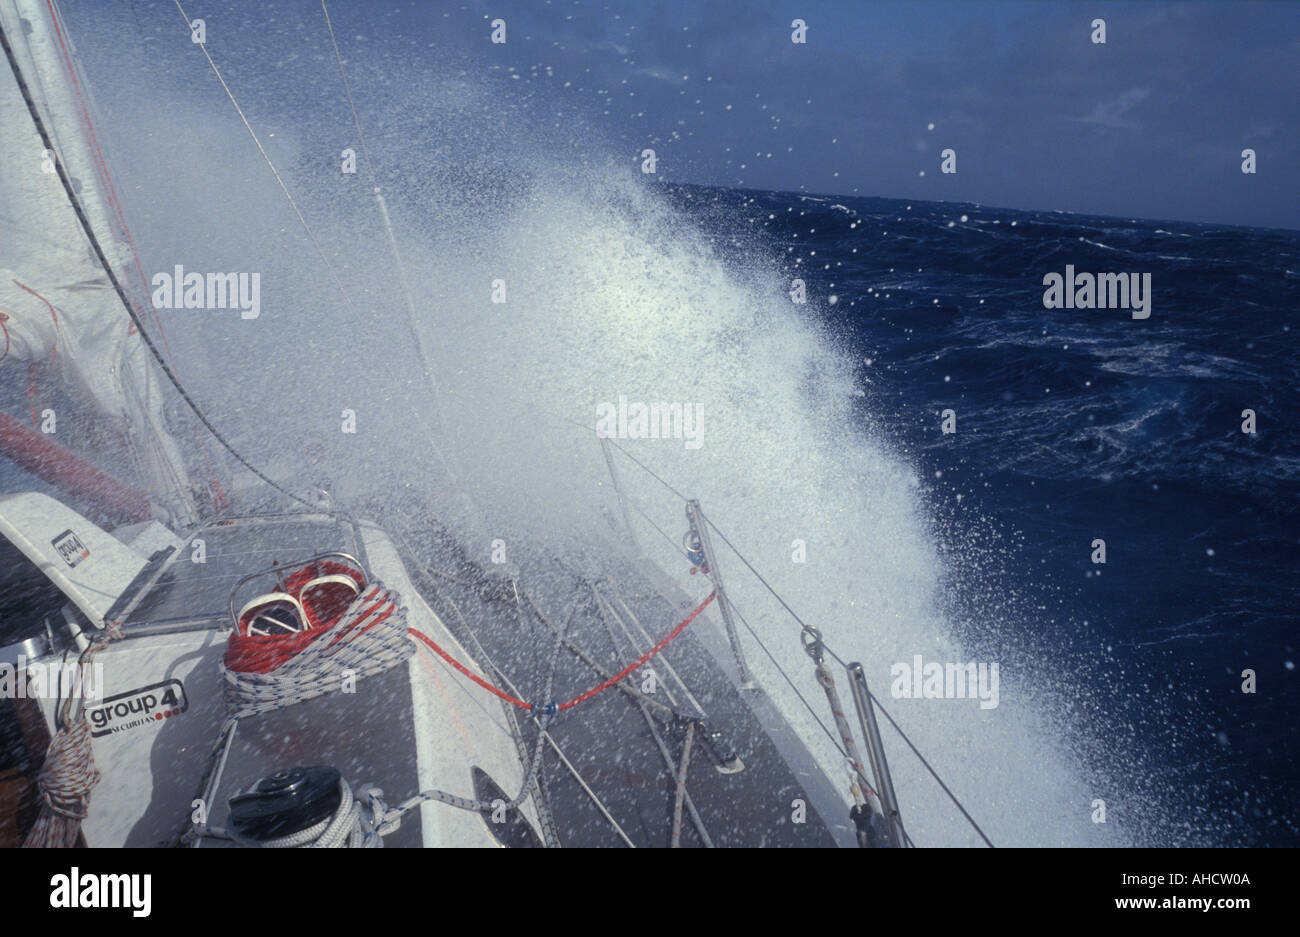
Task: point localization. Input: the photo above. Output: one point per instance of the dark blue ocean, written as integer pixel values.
(1077, 424)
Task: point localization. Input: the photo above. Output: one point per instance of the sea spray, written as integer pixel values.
(609, 292)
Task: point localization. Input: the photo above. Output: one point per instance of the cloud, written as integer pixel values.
(663, 73)
(1115, 113)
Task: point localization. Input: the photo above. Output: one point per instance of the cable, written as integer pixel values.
(284, 188)
(117, 285)
(803, 624)
(933, 773)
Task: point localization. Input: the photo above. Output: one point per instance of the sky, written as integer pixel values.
(1150, 124)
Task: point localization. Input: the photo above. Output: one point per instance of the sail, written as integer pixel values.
(60, 311)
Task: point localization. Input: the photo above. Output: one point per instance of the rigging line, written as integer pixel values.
(400, 268)
(348, 91)
(677, 547)
(921, 758)
(775, 663)
(606, 611)
(284, 188)
(316, 243)
(811, 711)
(584, 657)
(672, 770)
(589, 792)
(765, 583)
(645, 467)
(681, 786)
(117, 285)
(595, 799)
(802, 623)
(696, 820)
(841, 662)
(834, 741)
(650, 470)
(379, 198)
(617, 593)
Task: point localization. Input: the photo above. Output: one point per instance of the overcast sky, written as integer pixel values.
(1151, 124)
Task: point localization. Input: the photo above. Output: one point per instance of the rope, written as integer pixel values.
(807, 628)
(604, 674)
(793, 686)
(486, 658)
(117, 285)
(681, 786)
(564, 760)
(933, 773)
(386, 819)
(838, 659)
(411, 316)
(856, 771)
(347, 827)
(499, 694)
(669, 764)
(643, 466)
(65, 782)
(541, 801)
(275, 172)
(644, 657)
(550, 708)
(607, 607)
(69, 773)
(370, 637)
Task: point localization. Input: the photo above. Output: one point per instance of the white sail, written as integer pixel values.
(60, 306)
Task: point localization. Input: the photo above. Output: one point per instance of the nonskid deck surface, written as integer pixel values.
(231, 549)
(627, 752)
(628, 761)
(369, 736)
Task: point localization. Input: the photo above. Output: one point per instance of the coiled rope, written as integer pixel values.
(69, 773)
(348, 827)
(369, 638)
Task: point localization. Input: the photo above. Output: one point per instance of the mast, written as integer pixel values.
(59, 286)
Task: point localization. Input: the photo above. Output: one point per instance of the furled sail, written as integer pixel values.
(60, 310)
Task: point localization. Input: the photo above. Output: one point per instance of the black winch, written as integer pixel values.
(287, 802)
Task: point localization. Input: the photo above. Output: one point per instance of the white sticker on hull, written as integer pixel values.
(149, 705)
(71, 548)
